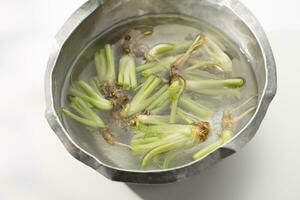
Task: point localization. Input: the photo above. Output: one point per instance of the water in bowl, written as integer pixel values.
(167, 29)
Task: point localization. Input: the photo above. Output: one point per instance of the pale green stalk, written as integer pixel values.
(215, 87)
(223, 138)
(163, 65)
(145, 66)
(196, 108)
(100, 62)
(127, 74)
(224, 62)
(160, 107)
(94, 86)
(153, 119)
(202, 64)
(142, 99)
(110, 64)
(169, 157)
(158, 150)
(197, 75)
(91, 95)
(187, 117)
(159, 49)
(163, 97)
(87, 116)
(175, 89)
(105, 66)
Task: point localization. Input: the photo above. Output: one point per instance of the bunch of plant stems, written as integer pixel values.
(168, 120)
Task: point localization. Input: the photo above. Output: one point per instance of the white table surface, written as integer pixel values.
(34, 165)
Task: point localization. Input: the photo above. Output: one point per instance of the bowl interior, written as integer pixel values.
(113, 12)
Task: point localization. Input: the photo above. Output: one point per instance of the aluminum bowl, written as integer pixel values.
(94, 17)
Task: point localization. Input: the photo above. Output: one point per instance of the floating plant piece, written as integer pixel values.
(197, 75)
(92, 95)
(105, 66)
(159, 139)
(166, 49)
(153, 119)
(127, 75)
(158, 50)
(86, 115)
(196, 108)
(187, 117)
(142, 98)
(175, 90)
(215, 87)
(201, 64)
(156, 66)
(224, 62)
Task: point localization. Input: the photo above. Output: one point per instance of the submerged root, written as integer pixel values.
(185, 57)
(107, 135)
(110, 139)
(202, 131)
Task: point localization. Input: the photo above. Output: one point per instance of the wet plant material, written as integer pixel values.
(147, 90)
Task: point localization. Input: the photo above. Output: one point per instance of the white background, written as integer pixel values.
(34, 164)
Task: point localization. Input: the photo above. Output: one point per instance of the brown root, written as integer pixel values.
(185, 57)
(203, 130)
(107, 136)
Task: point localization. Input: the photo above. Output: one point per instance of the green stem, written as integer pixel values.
(122, 63)
(207, 150)
(132, 72)
(127, 74)
(163, 97)
(160, 49)
(82, 120)
(88, 116)
(195, 108)
(197, 74)
(140, 101)
(211, 84)
(94, 86)
(202, 64)
(175, 89)
(143, 141)
(110, 64)
(160, 107)
(216, 52)
(164, 65)
(225, 136)
(153, 119)
(170, 156)
(215, 87)
(173, 114)
(173, 49)
(92, 92)
(91, 96)
(187, 117)
(157, 95)
(145, 66)
(100, 62)
(168, 129)
(159, 150)
(143, 147)
(144, 91)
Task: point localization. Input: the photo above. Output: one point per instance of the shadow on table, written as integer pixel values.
(225, 180)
